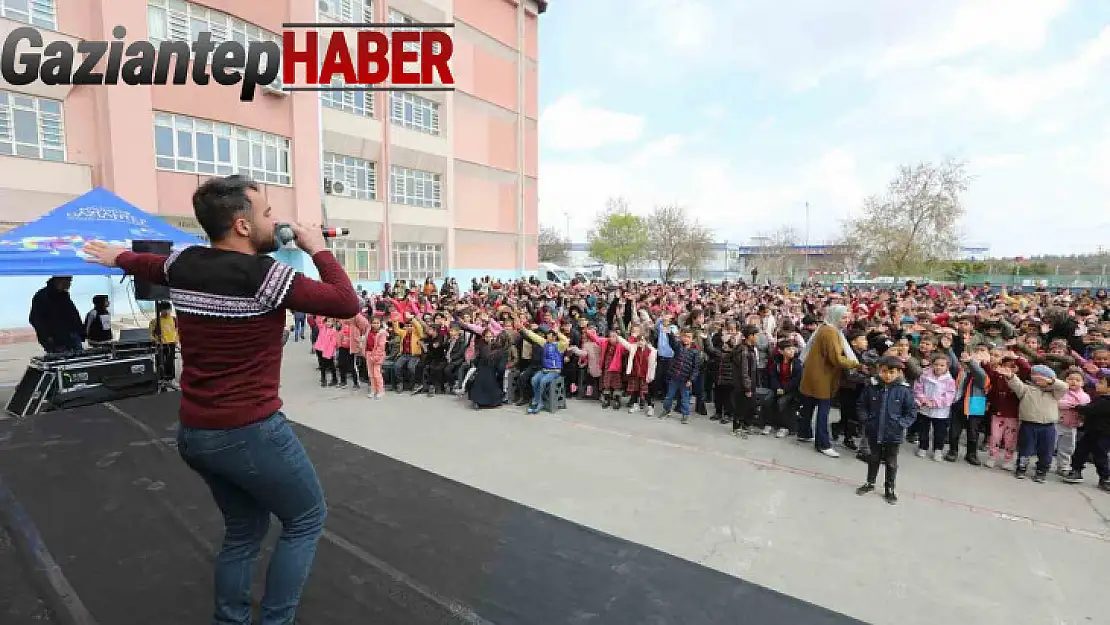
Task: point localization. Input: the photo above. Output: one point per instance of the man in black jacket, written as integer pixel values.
(55, 318)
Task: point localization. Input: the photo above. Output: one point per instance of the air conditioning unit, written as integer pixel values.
(338, 188)
(275, 89)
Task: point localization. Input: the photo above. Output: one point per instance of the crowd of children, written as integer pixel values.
(1021, 376)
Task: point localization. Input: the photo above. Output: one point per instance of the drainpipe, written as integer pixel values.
(522, 247)
(386, 253)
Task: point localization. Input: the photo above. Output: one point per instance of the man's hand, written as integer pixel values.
(101, 253)
(310, 238)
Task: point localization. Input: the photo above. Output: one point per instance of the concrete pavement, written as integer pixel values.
(963, 545)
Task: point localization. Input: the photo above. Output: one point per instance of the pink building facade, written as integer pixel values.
(430, 184)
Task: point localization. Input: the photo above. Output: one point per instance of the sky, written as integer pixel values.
(745, 110)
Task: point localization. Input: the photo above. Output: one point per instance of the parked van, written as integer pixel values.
(552, 273)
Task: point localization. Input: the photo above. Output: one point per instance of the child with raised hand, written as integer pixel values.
(1067, 429)
(1038, 411)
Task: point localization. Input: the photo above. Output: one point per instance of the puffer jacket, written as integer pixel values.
(720, 361)
(746, 365)
(1036, 404)
(886, 410)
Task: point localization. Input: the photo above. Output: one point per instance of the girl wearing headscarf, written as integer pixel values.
(825, 357)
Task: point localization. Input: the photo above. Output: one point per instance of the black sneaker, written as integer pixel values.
(950, 457)
(1039, 477)
(866, 488)
(1074, 477)
(973, 461)
(850, 443)
(890, 497)
(1104, 485)
(1019, 473)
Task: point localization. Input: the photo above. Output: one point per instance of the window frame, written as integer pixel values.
(404, 193)
(346, 252)
(45, 10)
(423, 109)
(421, 260)
(10, 109)
(351, 166)
(260, 148)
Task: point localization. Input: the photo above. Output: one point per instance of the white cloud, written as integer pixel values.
(999, 25)
(572, 123)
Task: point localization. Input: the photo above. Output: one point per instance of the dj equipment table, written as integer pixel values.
(85, 377)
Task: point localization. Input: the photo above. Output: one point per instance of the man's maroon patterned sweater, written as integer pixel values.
(231, 318)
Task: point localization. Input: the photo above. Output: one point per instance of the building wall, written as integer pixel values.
(483, 155)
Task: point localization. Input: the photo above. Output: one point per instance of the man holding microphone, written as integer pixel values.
(231, 299)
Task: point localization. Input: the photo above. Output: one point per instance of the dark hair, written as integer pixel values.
(219, 201)
(749, 330)
(891, 362)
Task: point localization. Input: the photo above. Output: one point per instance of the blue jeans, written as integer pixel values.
(540, 382)
(1036, 439)
(254, 471)
(298, 327)
(822, 441)
(677, 388)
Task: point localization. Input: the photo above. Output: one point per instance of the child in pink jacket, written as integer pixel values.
(376, 340)
(935, 391)
(326, 345)
(1068, 426)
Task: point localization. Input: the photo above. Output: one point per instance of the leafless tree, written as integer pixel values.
(553, 245)
(776, 256)
(696, 249)
(669, 228)
(914, 223)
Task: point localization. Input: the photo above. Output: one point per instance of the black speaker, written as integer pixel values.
(145, 291)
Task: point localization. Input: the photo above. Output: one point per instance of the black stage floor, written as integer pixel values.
(133, 532)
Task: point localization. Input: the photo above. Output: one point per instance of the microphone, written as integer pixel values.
(284, 233)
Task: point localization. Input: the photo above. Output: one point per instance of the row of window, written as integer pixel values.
(32, 127)
(411, 261)
(407, 110)
(411, 187)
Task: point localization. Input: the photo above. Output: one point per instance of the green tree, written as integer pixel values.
(913, 225)
(619, 237)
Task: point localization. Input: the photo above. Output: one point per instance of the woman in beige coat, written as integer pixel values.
(826, 356)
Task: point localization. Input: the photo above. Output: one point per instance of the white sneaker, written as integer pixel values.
(805, 440)
(990, 463)
(634, 408)
(921, 453)
(938, 455)
(767, 430)
(1008, 465)
(371, 395)
(380, 395)
(830, 452)
(782, 433)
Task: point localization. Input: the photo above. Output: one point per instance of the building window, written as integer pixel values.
(348, 10)
(31, 127)
(414, 187)
(358, 174)
(196, 145)
(397, 17)
(414, 112)
(176, 20)
(34, 12)
(417, 261)
(359, 258)
(357, 102)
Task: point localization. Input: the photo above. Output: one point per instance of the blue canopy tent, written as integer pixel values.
(52, 244)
